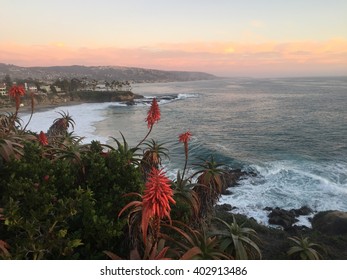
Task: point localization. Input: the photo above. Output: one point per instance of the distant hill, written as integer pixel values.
(108, 73)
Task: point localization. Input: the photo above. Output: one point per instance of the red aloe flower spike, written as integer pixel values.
(156, 199)
(153, 114)
(43, 139)
(16, 92)
(184, 138)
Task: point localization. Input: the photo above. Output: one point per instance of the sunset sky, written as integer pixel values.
(222, 37)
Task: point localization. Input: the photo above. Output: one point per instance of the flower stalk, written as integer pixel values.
(184, 138)
(153, 116)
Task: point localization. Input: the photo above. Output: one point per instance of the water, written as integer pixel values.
(292, 132)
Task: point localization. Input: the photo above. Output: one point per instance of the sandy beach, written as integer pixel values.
(26, 109)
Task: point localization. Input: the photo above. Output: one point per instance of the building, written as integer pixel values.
(3, 89)
(30, 87)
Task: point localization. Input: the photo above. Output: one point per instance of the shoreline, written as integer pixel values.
(26, 109)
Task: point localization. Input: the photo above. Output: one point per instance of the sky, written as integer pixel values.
(256, 38)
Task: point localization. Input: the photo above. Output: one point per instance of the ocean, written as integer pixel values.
(292, 132)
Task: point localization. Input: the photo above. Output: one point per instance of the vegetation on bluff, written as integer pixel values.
(62, 199)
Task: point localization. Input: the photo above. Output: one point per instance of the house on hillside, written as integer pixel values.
(100, 87)
(30, 87)
(46, 88)
(3, 89)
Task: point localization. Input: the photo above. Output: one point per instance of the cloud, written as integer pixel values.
(223, 58)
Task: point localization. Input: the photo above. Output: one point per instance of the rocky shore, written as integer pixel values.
(328, 228)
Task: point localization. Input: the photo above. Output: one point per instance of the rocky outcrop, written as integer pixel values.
(330, 222)
(105, 96)
(231, 177)
(286, 218)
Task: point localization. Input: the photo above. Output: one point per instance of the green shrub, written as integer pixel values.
(58, 209)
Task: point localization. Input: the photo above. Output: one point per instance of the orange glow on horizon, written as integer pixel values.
(216, 57)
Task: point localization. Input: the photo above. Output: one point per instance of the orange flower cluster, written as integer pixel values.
(156, 199)
(157, 195)
(43, 139)
(153, 114)
(185, 137)
(16, 92)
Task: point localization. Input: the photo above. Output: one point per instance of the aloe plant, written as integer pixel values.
(186, 198)
(209, 185)
(239, 241)
(156, 251)
(195, 244)
(129, 154)
(60, 126)
(304, 249)
(152, 156)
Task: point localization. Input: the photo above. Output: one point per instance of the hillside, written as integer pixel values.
(100, 73)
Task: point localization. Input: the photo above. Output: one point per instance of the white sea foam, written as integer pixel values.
(85, 116)
(187, 95)
(290, 185)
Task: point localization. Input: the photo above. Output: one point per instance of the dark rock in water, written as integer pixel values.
(303, 211)
(231, 177)
(282, 217)
(224, 207)
(330, 222)
(130, 103)
(286, 218)
(227, 192)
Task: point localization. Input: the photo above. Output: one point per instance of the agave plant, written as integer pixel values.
(239, 241)
(194, 244)
(209, 185)
(304, 249)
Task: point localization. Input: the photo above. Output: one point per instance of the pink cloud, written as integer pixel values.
(222, 58)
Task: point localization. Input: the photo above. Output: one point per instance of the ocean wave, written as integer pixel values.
(85, 115)
(290, 185)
